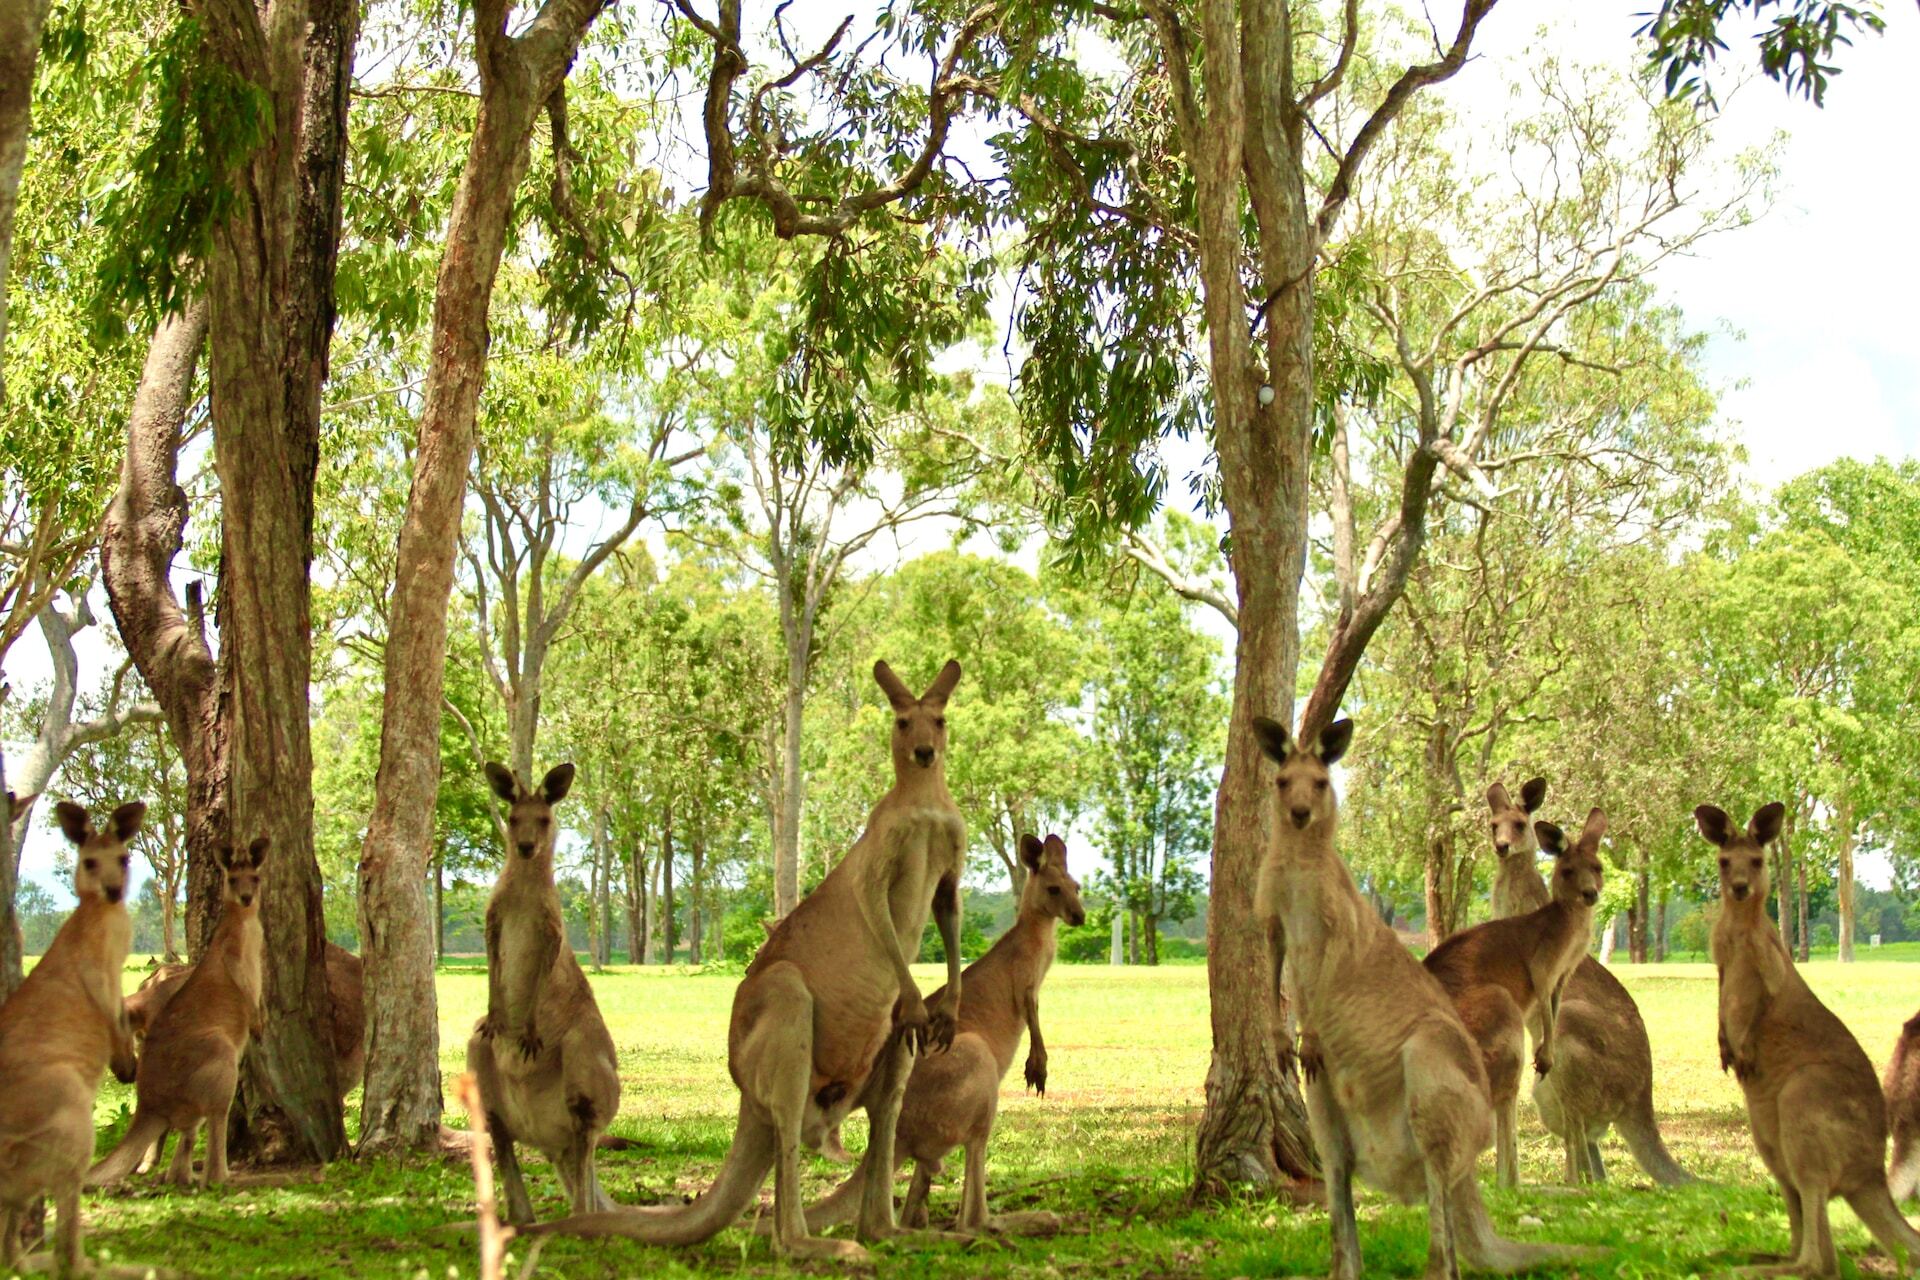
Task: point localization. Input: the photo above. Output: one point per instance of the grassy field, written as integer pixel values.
(1110, 1147)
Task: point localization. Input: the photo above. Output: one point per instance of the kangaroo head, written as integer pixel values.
(1743, 854)
(1306, 791)
(1512, 824)
(1051, 890)
(100, 857)
(1578, 872)
(242, 872)
(919, 724)
(530, 813)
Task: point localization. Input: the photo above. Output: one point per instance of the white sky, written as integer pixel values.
(1812, 308)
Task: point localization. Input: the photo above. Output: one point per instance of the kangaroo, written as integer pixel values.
(344, 995)
(191, 1064)
(1396, 1092)
(546, 1065)
(952, 1099)
(828, 1017)
(59, 1032)
(1604, 1070)
(1813, 1104)
(1519, 966)
(1902, 1087)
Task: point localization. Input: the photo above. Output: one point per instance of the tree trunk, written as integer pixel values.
(142, 533)
(21, 22)
(669, 933)
(1609, 933)
(786, 850)
(652, 920)
(439, 903)
(1660, 931)
(1637, 921)
(269, 283)
(1843, 821)
(696, 894)
(169, 940)
(1784, 861)
(12, 962)
(517, 75)
(636, 907)
(1800, 907)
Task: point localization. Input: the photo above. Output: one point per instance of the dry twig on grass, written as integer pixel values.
(494, 1234)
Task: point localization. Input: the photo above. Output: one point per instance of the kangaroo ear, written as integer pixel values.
(73, 820)
(223, 854)
(1765, 827)
(1714, 824)
(17, 805)
(1032, 852)
(942, 687)
(1596, 827)
(1273, 738)
(1552, 839)
(898, 695)
(1532, 792)
(1334, 740)
(1057, 851)
(501, 779)
(557, 783)
(1498, 801)
(257, 851)
(126, 820)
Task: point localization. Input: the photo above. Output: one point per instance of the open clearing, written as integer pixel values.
(1109, 1147)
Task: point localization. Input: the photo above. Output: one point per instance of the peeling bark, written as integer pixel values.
(21, 22)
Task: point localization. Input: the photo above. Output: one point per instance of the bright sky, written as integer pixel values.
(1811, 308)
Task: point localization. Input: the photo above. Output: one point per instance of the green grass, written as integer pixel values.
(1109, 1147)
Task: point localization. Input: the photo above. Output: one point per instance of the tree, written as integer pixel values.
(1157, 719)
(520, 76)
(1685, 40)
(20, 27)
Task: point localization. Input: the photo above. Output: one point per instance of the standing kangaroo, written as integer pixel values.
(1603, 1069)
(190, 1065)
(953, 1098)
(828, 1016)
(59, 1032)
(1509, 971)
(546, 1065)
(1812, 1101)
(1395, 1089)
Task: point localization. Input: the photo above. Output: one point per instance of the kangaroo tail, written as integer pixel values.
(145, 1130)
(1642, 1135)
(712, 1211)
(840, 1205)
(1483, 1249)
(1896, 1235)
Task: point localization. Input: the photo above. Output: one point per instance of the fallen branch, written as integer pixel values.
(494, 1234)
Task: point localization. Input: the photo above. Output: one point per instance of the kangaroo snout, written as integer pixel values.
(113, 895)
(1301, 815)
(1740, 892)
(1590, 896)
(924, 755)
(526, 848)
(1076, 917)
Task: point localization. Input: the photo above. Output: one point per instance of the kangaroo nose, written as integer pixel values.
(1077, 919)
(1301, 815)
(1501, 847)
(1591, 895)
(246, 899)
(1740, 892)
(113, 895)
(526, 848)
(924, 755)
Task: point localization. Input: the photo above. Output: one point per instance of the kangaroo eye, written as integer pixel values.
(91, 865)
(1725, 863)
(901, 723)
(125, 860)
(939, 722)
(1054, 889)
(1319, 784)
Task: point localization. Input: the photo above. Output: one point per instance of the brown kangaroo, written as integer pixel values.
(546, 1064)
(953, 1098)
(1902, 1088)
(828, 1016)
(1506, 972)
(1603, 1073)
(1395, 1087)
(59, 1032)
(1813, 1104)
(191, 1063)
